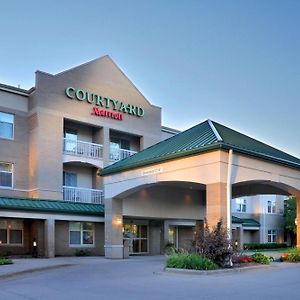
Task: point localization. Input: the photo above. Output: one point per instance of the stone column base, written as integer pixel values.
(114, 251)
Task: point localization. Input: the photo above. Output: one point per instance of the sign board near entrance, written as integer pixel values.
(152, 171)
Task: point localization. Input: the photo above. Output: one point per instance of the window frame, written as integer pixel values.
(272, 207)
(8, 233)
(13, 127)
(12, 176)
(272, 233)
(81, 235)
(240, 204)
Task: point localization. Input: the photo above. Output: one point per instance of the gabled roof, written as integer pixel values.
(245, 222)
(203, 137)
(51, 206)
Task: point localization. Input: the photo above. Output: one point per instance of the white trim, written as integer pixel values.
(213, 128)
(229, 192)
(113, 246)
(47, 216)
(251, 228)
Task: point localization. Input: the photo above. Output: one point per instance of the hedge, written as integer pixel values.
(256, 246)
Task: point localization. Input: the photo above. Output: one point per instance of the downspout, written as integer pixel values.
(229, 193)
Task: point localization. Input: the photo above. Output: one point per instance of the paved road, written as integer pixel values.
(141, 278)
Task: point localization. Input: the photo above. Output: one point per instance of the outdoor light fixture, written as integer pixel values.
(296, 221)
(34, 252)
(236, 243)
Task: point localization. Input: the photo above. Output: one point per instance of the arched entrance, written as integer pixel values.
(150, 216)
(257, 212)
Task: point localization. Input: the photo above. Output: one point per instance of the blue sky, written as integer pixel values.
(235, 62)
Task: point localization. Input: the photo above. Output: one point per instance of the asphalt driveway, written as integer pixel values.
(142, 278)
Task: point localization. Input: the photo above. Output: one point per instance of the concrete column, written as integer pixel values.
(166, 233)
(298, 220)
(113, 228)
(240, 238)
(216, 204)
(50, 238)
(105, 141)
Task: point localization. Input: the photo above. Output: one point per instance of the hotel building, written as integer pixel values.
(74, 176)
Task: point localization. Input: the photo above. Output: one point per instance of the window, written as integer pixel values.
(70, 179)
(81, 233)
(272, 236)
(271, 207)
(70, 141)
(6, 175)
(11, 232)
(240, 205)
(120, 143)
(6, 125)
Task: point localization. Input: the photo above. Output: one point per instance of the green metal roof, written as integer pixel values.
(203, 137)
(236, 220)
(245, 222)
(51, 206)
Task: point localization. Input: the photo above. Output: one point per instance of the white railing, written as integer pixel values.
(83, 195)
(119, 154)
(84, 149)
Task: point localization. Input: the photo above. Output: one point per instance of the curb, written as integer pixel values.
(33, 270)
(219, 271)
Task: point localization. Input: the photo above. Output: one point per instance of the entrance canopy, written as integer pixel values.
(223, 161)
(204, 137)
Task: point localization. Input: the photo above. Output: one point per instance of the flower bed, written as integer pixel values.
(191, 262)
(292, 256)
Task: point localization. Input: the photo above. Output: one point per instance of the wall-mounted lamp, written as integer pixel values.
(34, 252)
(296, 221)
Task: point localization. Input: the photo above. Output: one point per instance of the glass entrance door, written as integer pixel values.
(137, 236)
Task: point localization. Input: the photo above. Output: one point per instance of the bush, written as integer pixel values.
(258, 246)
(261, 258)
(170, 249)
(292, 256)
(81, 252)
(214, 244)
(191, 262)
(5, 261)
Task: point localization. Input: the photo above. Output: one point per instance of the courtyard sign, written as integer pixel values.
(104, 102)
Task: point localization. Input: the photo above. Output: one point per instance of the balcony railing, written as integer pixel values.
(83, 195)
(119, 154)
(84, 149)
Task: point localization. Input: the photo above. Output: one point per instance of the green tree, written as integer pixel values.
(290, 217)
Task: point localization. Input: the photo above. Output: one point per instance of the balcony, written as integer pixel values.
(83, 149)
(83, 195)
(119, 154)
(84, 152)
